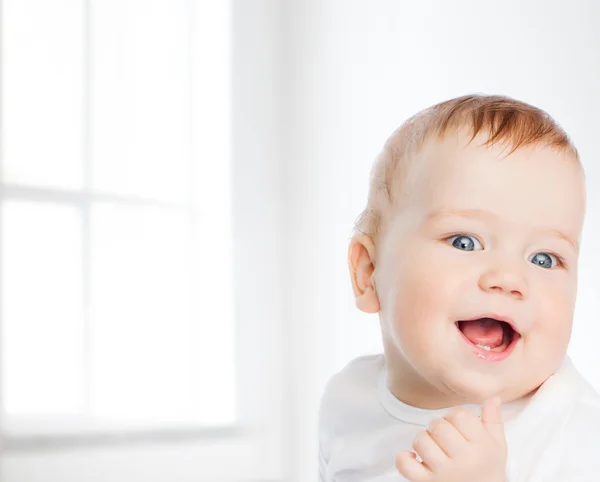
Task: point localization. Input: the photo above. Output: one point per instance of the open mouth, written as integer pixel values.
(490, 338)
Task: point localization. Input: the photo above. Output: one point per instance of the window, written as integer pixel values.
(116, 246)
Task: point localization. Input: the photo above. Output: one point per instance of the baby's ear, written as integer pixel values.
(361, 262)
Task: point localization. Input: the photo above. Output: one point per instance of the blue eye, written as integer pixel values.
(465, 243)
(544, 260)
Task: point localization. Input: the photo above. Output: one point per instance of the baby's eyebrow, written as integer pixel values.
(482, 214)
(465, 213)
(558, 234)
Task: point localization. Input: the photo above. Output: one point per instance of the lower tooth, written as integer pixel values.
(486, 348)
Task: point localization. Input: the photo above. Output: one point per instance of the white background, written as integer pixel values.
(318, 86)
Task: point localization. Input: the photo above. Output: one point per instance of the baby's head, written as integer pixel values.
(468, 251)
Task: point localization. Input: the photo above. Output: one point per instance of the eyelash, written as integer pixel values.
(559, 258)
(454, 235)
(561, 261)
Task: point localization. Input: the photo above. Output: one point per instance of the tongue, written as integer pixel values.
(484, 331)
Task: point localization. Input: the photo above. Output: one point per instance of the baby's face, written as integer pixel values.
(489, 239)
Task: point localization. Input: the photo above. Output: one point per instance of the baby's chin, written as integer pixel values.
(476, 387)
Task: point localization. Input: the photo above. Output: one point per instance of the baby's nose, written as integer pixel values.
(505, 279)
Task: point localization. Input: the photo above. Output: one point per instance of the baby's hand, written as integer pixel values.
(459, 448)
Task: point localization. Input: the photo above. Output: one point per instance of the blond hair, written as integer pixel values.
(504, 120)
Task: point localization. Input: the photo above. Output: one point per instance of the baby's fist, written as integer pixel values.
(459, 448)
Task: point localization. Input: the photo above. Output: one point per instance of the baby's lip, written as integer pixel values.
(496, 316)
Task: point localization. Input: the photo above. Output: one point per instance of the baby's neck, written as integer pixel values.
(415, 393)
(411, 389)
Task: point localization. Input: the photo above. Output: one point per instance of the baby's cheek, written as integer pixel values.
(421, 305)
(559, 301)
(555, 318)
(421, 291)
(418, 293)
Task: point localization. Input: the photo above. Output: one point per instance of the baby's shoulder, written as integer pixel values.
(580, 431)
(580, 440)
(352, 392)
(585, 407)
(582, 427)
(361, 372)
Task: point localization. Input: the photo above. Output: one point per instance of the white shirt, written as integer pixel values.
(552, 436)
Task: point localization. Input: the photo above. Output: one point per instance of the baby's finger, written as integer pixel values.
(447, 436)
(431, 453)
(466, 423)
(491, 416)
(408, 466)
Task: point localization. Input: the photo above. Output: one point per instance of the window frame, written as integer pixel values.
(258, 438)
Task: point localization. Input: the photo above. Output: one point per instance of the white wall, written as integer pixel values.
(354, 71)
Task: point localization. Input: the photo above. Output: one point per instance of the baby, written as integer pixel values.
(468, 251)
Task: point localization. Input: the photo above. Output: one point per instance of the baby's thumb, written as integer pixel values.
(492, 418)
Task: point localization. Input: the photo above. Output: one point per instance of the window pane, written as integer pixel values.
(141, 103)
(42, 339)
(213, 199)
(42, 82)
(141, 313)
(213, 320)
(212, 104)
